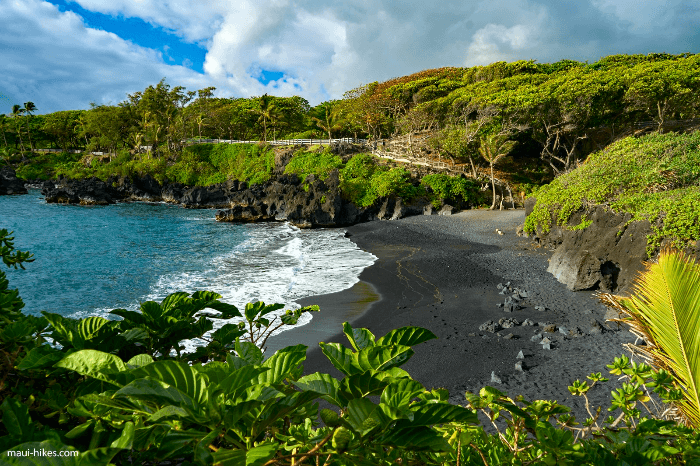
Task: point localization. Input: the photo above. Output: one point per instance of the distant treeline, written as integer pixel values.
(557, 108)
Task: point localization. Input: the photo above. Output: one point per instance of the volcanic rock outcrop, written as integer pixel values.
(9, 183)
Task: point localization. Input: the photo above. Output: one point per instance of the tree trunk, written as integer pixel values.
(493, 185)
(471, 161)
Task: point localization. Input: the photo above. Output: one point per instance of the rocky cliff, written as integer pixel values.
(9, 183)
(308, 203)
(606, 255)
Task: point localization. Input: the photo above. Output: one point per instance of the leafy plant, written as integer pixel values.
(665, 312)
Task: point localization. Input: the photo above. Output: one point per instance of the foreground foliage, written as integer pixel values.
(123, 392)
(665, 313)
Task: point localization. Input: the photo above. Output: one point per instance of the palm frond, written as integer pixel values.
(664, 310)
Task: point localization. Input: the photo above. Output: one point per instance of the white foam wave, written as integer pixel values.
(276, 263)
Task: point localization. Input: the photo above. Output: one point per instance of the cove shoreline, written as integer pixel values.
(441, 273)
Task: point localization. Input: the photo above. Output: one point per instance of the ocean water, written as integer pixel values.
(90, 260)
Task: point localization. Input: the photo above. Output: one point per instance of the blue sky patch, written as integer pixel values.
(174, 50)
(268, 75)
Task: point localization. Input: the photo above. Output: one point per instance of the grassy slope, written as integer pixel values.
(654, 177)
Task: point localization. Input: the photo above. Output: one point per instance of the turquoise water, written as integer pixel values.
(89, 260)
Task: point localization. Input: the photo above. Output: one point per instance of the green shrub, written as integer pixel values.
(362, 181)
(451, 187)
(320, 164)
(654, 177)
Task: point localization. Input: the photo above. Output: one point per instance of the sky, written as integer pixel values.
(67, 54)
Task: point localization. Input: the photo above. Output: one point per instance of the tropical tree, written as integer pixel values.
(326, 117)
(266, 110)
(664, 312)
(664, 88)
(17, 113)
(29, 107)
(3, 125)
(493, 148)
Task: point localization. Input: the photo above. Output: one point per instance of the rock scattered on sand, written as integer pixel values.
(536, 338)
(540, 308)
(495, 378)
(490, 326)
(519, 366)
(528, 322)
(508, 323)
(549, 328)
(520, 355)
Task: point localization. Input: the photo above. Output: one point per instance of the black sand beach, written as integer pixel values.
(441, 273)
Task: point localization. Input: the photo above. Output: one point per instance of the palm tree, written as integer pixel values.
(329, 120)
(29, 107)
(267, 111)
(3, 125)
(665, 311)
(493, 148)
(17, 112)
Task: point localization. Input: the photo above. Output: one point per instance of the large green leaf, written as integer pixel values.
(382, 357)
(40, 357)
(323, 384)
(64, 328)
(168, 412)
(283, 407)
(158, 392)
(15, 417)
(176, 442)
(249, 352)
(342, 358)
(215, 371)
(254, 457)
(139, 360)
(240, 379)
(93, 363)
(362, 385)
(665, 309)
(131, 317)
(359, 338)
(227, 334)
(177, 374)
(282, 363)
(152, 311)
(400, 393)
(417, 438)
(441, 413)
(228, 311)
(126, 439)
(173, 300)
(90, 327)
(365, 416)
(92, 400)
(406, 336)
(232, 414)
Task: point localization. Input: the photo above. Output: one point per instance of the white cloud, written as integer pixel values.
(322, 48)
(52, 59)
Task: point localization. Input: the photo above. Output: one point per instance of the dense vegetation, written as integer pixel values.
(654, 177)
(558, 111)
(123, 392)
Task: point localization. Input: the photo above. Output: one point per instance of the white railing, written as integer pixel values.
(279, 142)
